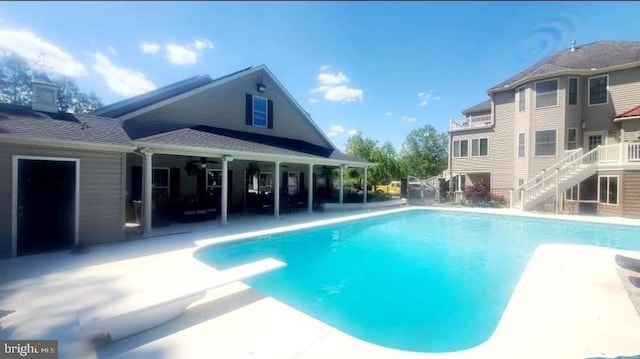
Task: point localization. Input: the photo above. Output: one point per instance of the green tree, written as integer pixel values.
(424, 152)
(387, 165)
(15, 80)
(15, 86)
(71, 99)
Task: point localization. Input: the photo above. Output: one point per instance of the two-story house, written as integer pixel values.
(563, 134)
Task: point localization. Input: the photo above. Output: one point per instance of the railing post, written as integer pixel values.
(557, 190)
(522, 198)
(511, 197)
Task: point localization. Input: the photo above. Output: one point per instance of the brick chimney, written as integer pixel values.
(45, 95)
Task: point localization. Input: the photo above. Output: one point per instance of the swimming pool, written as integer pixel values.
(418, 280)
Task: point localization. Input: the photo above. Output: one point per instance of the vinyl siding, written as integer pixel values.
(499, 162)
(522, 125)
(631, 194)
(631, 130)
(624, 90)
(224, 106)
(608, 209)
(547, 118)
(101, 214)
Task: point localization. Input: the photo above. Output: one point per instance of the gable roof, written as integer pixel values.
(238, 143)
(628, 115)
(17, 122)
(587, 58)
(484, 106)
(140, 104)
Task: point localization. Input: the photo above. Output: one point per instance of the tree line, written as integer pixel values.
(15, 86)
(423, 154)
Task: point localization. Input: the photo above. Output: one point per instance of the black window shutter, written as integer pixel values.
(285, 182)
(249, 110)
(270, 114)
(174, 181)
(301, 183)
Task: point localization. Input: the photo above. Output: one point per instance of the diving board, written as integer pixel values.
(143, 311)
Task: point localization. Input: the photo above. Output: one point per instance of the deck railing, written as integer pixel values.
(470, 122)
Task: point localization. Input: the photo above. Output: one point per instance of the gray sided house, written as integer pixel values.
(208, 147)
(562, 135)
(63, 177)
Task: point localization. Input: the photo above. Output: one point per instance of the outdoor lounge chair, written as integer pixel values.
(147, 310)
(635, 281)
(628, 263)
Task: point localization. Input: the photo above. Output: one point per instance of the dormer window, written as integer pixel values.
(259, 111)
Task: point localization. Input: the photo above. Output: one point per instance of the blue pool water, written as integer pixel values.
(420, 280)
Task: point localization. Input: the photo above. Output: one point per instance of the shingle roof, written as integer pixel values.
(149, 98)
(484, 106)
(595, 55)
(634, 112)
(24, 122)
(225, 139)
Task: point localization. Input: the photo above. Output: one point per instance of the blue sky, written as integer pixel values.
(382, 68)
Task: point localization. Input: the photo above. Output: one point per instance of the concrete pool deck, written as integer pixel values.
(570, 303)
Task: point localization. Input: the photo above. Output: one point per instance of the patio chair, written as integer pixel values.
(146, 310)
(628, 263)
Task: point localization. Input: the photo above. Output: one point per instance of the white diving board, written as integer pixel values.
(143, 311)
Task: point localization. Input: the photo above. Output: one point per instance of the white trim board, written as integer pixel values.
(14, 197)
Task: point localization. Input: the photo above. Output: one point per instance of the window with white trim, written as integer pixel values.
(572, 138)
(522, 99)
(572, 96)
(480, 147)
(572, 193)
(521, 139)
(598, 90)
(546, 143)
(160, 183)
(461, 148)
(547, 93)
(260, 109)
(608, 189)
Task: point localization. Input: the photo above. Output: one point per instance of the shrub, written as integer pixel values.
(479, 195)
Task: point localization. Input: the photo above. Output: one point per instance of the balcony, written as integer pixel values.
(619, 153)
(471, 122)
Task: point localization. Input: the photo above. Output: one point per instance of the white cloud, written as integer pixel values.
(35, 49)
(334, 89)
(426, 98)
(344, 94)
(149, 48)
(181, 55)
(335, 130)
(123, 82)
(333, 79)
(409, 118)
(313, 100)
(202, 44)
(352, 132)
(112, 50)
(388, 114)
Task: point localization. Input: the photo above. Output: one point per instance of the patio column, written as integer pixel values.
(341, 184)
(148, 188)
(364, 199)
(310, 189)
(224, 200)
(276, 190)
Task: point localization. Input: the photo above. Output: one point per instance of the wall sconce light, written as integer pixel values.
(584, 125)
(262, 88)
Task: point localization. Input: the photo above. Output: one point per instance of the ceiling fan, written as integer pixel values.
(192, 165)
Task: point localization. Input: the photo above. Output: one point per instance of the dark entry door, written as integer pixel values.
(46, 205)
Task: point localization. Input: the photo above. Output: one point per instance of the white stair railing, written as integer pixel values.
(569, 157)
(561, 179)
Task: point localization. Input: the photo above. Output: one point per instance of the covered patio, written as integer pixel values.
(206, 174)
